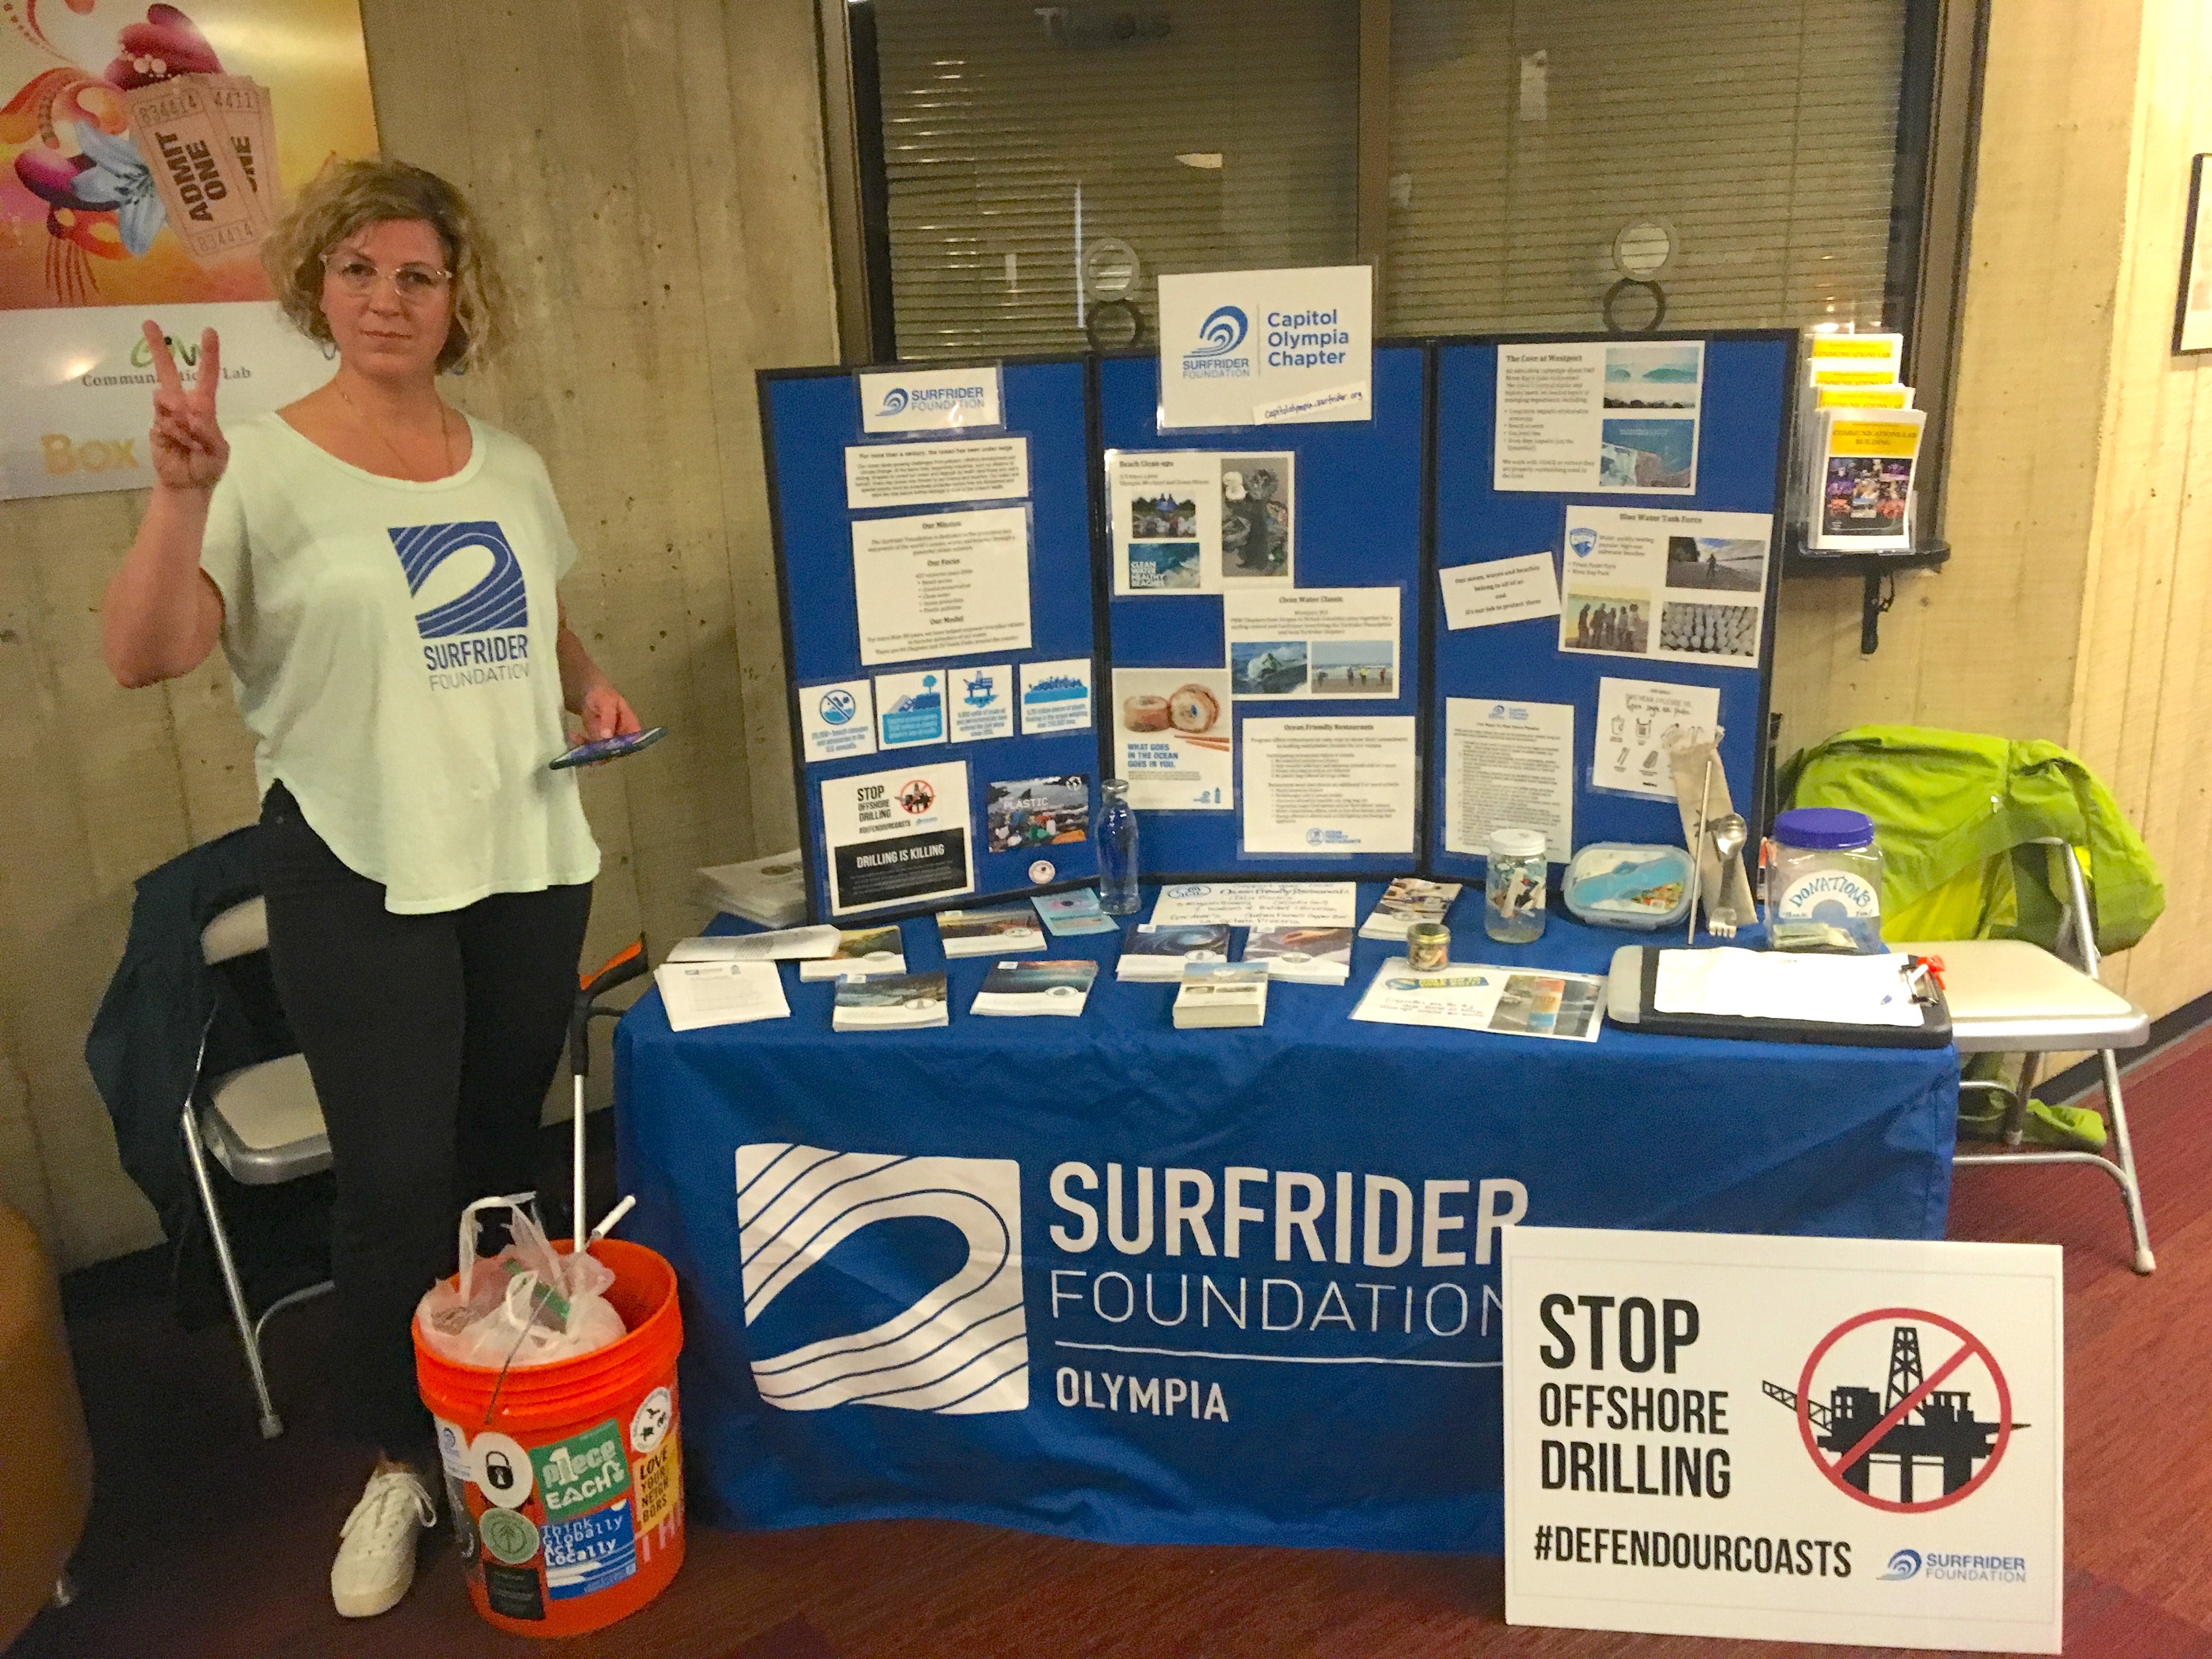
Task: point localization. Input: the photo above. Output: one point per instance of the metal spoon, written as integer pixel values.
(1728, 833)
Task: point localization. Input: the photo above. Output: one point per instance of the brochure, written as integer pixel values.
(1865, 460)
(1221, 994)
(892, 1002)
(989, 933)
(771, 892)
(860, 952)
(1035, 988)
(1150, 951)
(1077, 912)
(697, 995)
(1506, 1001)
(1314, 956)
(1259, 904)
(1407, 901)
(787, 945)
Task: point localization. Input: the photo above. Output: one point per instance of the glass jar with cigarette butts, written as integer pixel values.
(1513, 896)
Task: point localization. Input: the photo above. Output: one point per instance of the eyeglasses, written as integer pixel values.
(414, 284)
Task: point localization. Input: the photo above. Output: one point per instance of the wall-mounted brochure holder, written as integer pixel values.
(1264, 623)
(1606, 561)
(933, 558)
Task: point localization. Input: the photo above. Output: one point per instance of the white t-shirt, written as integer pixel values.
(393, 644)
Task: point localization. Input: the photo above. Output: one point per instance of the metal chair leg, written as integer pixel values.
(2130, 1188)
(271, 1425)
(2015, 1118)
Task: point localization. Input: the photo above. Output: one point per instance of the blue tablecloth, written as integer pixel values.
(929, 1283)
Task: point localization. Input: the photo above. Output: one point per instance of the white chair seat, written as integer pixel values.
(2007, 996)
(264, 1124)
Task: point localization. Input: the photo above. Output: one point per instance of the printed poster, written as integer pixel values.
(144, 152)
(1246, 348)
(1174, 739)
(1312, 641)
(942, 584)
(1636, 721)
(1671, 586)
(1601, 415)
(1190, 521)
(897, 836)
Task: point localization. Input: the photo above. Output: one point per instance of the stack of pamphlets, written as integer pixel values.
(989, 933)
(889, 1002)
(703, 994)
(1035, 988)
(1510, 1001)
(1317, 956)
(786, 944)
(860, 952)
(771, 892)
(1220, 994)
(1859, 445)
(1078, 912)
(1153, 953)
(1405, 902)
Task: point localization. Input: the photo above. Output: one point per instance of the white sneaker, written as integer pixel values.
(376, 1548)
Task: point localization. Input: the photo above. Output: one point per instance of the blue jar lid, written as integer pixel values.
(1823, 829)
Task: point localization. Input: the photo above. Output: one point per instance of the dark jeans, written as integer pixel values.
(432, 1040)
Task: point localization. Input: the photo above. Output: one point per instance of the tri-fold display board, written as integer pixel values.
(1344, 649)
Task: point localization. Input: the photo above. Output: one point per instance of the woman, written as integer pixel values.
(380, 570)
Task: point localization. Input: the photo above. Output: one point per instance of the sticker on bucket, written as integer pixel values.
(508, 1536)
(452, 1449)
(650, 1425)
(593, 1552)
(658, 1477)
(501, 1468)
(581, 1472)
(513, 1592)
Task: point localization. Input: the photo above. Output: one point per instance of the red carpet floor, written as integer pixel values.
(207, 1543)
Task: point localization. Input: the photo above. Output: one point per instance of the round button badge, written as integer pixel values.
(650, 1426)
(508, 1537)
(1042, 871)
(500, 1469)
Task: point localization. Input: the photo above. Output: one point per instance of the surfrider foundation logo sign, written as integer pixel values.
(1218, 336)
(961, 1348)
(498, 600)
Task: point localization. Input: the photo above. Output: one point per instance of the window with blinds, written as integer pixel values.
(1523, 135)
(1209, 134)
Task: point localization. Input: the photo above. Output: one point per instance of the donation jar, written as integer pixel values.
(1824, 867)
(1513, 892)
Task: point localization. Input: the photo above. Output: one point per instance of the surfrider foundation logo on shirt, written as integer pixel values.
(961, 1347)
(480, 635)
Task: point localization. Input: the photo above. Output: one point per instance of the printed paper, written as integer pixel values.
(1672, 586)
(1257, 520)
(917, 474)
(982, 703)
(1055, 696)
(910, 709)
(896, 838)
(1635, 718)
(1260, 903)
(930, 400)
(1329, 786)
(1509, 766)
(1027, 812)
(1509, 1001)
(1174, 739)
(1500, 591)
(1295, 344)
(1612, 415)
(1166, 512)
(837, 721)
(1312, 641)
(942, 584)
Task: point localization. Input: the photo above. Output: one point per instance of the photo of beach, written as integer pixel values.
(1643, 454)
(1716, 563)
(1355, 668)
(1655, 376)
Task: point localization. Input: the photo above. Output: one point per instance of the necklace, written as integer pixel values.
(444, 434)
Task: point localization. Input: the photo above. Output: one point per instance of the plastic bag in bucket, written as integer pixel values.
(566, 1477)
(525, 1306)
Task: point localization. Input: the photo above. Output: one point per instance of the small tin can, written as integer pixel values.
(1428, 944)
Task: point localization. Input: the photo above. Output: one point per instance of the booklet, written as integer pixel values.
(1407, 901)
(860, 952)
(1317, 956)
(1035, 988)
(787, 944)
(989, 933)
(1078, 912)
(892, 1002)
(1221, 994)
(697, 995)
(1153, 952)
(1509, 1001)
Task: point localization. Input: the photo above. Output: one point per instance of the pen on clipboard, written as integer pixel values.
(1924, 977)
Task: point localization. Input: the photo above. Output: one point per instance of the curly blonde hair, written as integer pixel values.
(347, 196)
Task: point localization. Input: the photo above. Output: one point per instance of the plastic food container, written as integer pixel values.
(1823, 865)
(1513, 894)
(1617, 883)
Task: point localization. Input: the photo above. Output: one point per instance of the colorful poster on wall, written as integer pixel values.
(144, 153)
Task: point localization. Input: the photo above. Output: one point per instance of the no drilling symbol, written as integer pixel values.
(1912, 1421)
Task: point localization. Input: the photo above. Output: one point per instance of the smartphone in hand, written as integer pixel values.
(606, 749)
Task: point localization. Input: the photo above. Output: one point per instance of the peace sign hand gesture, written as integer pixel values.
(189, 449)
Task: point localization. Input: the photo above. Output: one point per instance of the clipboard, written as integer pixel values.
(1631, 995)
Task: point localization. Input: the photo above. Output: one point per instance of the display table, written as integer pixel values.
(1285, 1333)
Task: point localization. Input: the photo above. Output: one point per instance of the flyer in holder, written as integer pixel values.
(896, 837)
(1174, 739)
(1330, 786)
(937, 584)
(1600, 414)
(1669, 586)
(1506, 1001)
(1312, 641)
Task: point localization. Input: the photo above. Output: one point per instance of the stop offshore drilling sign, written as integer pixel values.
(1812, 1439)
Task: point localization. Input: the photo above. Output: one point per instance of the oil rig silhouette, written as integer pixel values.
(1941, 1428)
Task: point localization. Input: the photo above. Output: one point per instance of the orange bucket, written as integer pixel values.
(569, 1476)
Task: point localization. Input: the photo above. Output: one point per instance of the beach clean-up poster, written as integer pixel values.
(145, 151)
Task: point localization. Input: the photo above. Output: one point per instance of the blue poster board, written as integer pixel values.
(809, 417)
(1747, 404)
(1357, 494)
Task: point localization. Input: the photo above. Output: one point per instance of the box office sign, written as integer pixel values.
(1797, 1439)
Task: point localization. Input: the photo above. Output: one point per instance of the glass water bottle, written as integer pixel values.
(1116, 836)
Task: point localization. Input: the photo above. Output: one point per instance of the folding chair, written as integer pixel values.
(264, 1126)
(2009, 996)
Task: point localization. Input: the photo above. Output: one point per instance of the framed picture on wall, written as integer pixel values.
(2192, 311)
